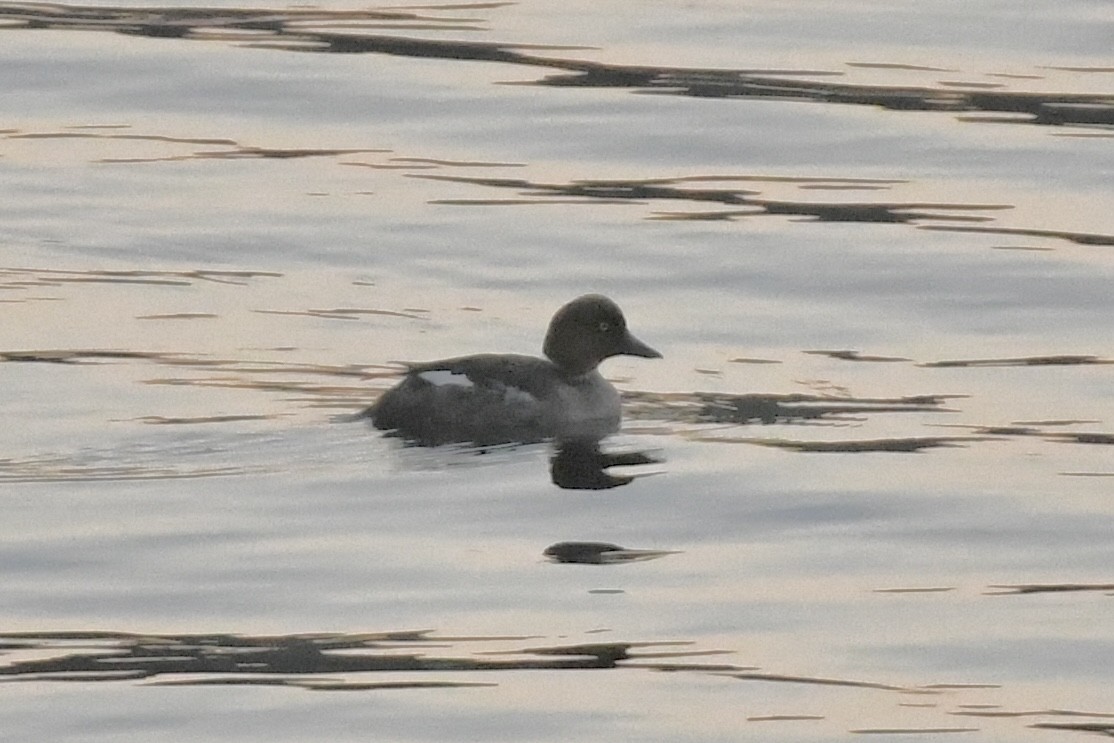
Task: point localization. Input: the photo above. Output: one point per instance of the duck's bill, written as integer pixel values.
(634, 347)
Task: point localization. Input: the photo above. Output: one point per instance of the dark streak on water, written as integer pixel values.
(289, 659)
(1052, 588)
(293, 30)
(664, 189)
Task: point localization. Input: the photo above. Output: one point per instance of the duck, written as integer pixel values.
(495, 398)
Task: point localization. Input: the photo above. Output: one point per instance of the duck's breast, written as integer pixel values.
(588, 406)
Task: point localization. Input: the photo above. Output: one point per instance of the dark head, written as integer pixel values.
(588, 330)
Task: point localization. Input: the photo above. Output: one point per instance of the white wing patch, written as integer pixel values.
(516, 396)
(446, 378)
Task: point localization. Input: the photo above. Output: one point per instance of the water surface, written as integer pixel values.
(872, 243)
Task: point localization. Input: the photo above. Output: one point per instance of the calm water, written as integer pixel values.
(873, 242)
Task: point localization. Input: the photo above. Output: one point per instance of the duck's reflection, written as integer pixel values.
(600, 553)
(577, 463)
(580, 464)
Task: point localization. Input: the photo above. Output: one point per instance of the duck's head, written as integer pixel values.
(588, 330)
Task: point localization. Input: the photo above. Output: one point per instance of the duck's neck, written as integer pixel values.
(574, 374)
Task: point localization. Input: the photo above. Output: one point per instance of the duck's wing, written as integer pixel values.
(501, 373)
(485, 399)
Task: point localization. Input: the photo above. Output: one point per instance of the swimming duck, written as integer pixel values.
(506, 398)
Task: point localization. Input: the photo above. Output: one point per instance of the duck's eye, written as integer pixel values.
(604, 326)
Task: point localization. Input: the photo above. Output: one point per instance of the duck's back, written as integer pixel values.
(483, 399)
